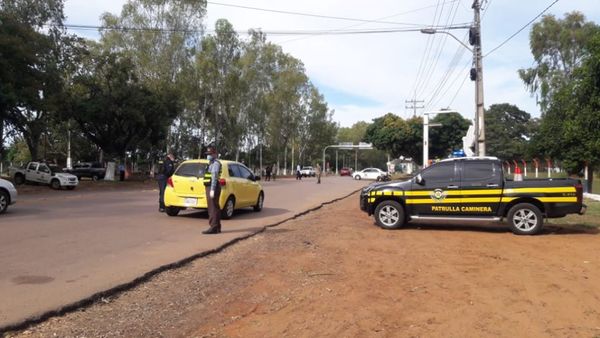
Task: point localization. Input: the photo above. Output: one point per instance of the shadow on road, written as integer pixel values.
(549, 229)
(239, 214)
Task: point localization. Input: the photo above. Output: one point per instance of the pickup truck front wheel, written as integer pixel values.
(389, 215)
(525, 219)
(55, 184)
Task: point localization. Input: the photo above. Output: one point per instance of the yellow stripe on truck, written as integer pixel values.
(539, 190)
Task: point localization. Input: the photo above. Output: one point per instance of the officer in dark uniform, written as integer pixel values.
(166, 170)
(213, 191)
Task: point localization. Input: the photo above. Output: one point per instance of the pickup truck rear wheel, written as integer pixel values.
(55, 184)
(389, 215)
(525, 219)
(19, 179)
(95, 177)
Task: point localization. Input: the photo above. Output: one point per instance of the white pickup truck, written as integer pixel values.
(39, 172)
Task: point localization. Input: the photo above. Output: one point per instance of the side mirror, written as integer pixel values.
(419, 179)
(256, 178)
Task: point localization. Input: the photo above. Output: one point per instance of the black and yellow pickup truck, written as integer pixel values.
(472, 189)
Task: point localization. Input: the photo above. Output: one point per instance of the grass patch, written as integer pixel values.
(591, 218)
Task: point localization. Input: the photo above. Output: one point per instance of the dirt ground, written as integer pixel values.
(333, 273)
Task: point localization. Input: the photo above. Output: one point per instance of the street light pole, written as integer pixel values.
(426, 125)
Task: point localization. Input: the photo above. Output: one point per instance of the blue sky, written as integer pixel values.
(365, 76)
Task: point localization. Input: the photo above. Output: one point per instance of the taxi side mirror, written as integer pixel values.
(419, 179)
(256, 178)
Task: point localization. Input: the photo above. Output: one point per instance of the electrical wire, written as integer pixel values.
(273, 32)
(521, 29)
(364, 23)
(312, 15)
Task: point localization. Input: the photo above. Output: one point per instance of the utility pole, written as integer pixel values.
(414, 106)
(477, 76)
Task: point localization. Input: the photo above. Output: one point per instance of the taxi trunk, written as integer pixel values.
(187, 187)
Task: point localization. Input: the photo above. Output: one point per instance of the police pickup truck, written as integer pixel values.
(472, 189)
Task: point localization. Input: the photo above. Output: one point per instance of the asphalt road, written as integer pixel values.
(59, 247)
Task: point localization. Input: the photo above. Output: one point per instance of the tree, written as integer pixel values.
(558, 47)
(508, 131)
(447, 137)
(115, 110)
(392, 134)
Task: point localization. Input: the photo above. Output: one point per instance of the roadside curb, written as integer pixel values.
(72, 307)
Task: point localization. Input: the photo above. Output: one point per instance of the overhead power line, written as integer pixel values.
(313, 15)
(521, 29)
(273, 32)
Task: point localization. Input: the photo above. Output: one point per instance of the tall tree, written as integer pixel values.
(508, 131)
(115, 110)
(558, 47)
(447, 137)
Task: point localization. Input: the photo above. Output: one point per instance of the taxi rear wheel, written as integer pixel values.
(228, 209)
(389, 215)
(525, 219)
(172, 211)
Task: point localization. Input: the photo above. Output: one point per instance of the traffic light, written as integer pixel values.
(474, 37)
(473, 74)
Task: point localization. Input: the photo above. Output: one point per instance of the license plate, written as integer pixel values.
(190, 202)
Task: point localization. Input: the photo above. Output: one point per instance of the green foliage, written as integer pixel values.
(508, 130)
(115, 110)
(558, 47)
(447, 137)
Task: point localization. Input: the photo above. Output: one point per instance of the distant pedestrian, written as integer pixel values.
(268, 173)
(318, 173)
(213, 191)
(121, 172)
(165, 170)
(298, 173)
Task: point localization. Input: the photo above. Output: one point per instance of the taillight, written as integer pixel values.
(170, 182)
(579, 192)
(222, 182)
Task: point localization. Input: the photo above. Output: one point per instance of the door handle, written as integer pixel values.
(492, 185)
(452, 187)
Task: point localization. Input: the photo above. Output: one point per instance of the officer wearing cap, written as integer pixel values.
(213, 191)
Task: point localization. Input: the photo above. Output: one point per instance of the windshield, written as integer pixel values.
(191, 169)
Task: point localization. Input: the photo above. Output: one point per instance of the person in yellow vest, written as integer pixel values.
(213, 191)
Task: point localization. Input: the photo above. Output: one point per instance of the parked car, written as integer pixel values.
(8, 195)
(40, 172)
(308, 172)
(472, 189)
(369, 174)
(93, 170)
(345, 171)
(239, 188)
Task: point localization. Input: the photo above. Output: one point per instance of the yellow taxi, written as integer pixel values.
(239, 188)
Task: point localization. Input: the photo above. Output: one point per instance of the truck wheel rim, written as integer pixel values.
(525, 219)
(3, 202)
(389, 215)
(260, 201)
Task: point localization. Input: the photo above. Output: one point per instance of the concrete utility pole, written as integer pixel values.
(414, 106)
(475, 40)
(476, 72)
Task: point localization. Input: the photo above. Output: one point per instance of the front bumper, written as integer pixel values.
(13, 195)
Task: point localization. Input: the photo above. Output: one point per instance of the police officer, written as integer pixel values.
(213, 191)
(166, 170)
